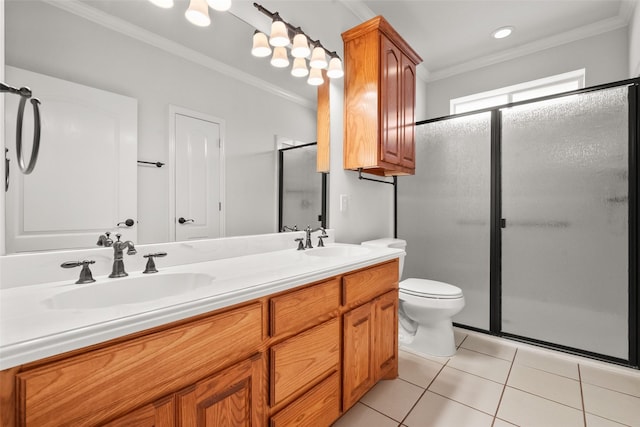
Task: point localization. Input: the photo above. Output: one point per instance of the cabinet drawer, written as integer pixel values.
(319, 407)
(298, 310)
(300, 361)
(365, 285)
(113, 380)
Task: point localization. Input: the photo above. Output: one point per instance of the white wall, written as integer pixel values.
(634, 43)
(370, 205)
(92, 55)
(605, 58)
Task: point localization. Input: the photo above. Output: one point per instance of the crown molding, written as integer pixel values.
(576, 34)
(126, 28)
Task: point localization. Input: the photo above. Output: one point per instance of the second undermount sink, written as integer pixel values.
(128, 290)
(342, 251)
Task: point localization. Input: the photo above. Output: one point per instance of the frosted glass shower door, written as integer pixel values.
(444, 210)
(565, 202)
(301, 188)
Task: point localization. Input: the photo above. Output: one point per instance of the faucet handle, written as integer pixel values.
(85, 273)
(151, 264)
(320, 242)
(300, 244)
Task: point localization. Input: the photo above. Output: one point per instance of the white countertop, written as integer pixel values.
(30, 329)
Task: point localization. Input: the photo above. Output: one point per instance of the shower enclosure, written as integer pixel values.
(531, 209)
(302, 191)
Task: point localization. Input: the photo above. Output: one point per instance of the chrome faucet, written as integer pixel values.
(118, 265)
(309, 230)
(105, 240)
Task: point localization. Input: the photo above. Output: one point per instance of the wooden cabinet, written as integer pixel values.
(380, 85)
(370, 331)
(297, 358)
(232, 397)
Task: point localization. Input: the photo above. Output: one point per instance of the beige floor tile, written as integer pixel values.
(489, 346)
(595, 421)
(526, 410)
(363, 416)
(468, 389)
(550, 386)
(547, 361)
(437, 359)
(628, 383)
(436, 411)
(394, 398)
(612, 405)
(480, 364)
(417, 370)
(458, 336)
(501, 423)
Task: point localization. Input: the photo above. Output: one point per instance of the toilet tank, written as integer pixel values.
(389, 242)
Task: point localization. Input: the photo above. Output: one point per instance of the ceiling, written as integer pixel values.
(452, 36)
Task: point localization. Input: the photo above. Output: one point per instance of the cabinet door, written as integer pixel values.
(158, 414)
(357, 369)
(233, 397)
(386, 336)
(390, 98)
(408, 102)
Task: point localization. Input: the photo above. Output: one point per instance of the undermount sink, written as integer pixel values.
(128, 290)
(338, 251)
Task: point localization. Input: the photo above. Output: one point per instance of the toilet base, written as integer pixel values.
(435, 339)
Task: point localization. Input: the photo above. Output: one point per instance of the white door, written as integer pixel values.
(198, 201)
(85, 180)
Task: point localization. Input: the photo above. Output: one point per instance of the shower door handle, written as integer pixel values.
(503, 223)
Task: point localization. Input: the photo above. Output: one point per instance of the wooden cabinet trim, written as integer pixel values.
(364, 285)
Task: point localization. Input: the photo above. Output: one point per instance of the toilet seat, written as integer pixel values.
(425, 288)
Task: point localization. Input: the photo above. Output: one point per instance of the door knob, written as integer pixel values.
(128, 222)
(181, 220)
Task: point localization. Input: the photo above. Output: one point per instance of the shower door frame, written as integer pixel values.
(496, 222)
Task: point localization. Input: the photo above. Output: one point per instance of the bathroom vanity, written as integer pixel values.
(299, 347)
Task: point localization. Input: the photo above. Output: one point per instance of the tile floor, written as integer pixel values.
(500, 383)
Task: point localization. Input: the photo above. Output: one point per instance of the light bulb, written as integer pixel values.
(279, 35)
(299, 68)
(318, 59)
(300, 47)
(198, 13)
(220, 5)
(165, 4)
(280, 59)
(335, 68)
(315, 77)
(261, 46)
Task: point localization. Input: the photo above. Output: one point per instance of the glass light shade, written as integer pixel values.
(280, 58)
(318, 59)
(315, 77)
(299, 68)
(279, 35)
(165, 4)
(220, 5)
(335, 68)
(198, 13)
(300, 47)
(261, 47)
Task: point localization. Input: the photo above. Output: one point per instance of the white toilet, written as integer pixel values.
(426, 309)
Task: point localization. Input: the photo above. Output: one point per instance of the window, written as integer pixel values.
(572, 80)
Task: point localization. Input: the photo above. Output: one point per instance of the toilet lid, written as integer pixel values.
(429, 289)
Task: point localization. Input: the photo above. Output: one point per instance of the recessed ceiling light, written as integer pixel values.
(502, 32)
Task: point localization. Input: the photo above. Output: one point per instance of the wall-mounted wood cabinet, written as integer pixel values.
(380, 87)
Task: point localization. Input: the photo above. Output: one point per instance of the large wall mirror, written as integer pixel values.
(168, 68)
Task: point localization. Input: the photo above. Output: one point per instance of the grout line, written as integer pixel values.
(480, 376)
(381, 413)
(463, 340)
(490, 355)
(423, 393)
(584, 412)
(504, 388)
(461, 403)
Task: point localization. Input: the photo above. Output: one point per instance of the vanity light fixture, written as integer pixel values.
(281, 36)
(198, 11)
(502, 32)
